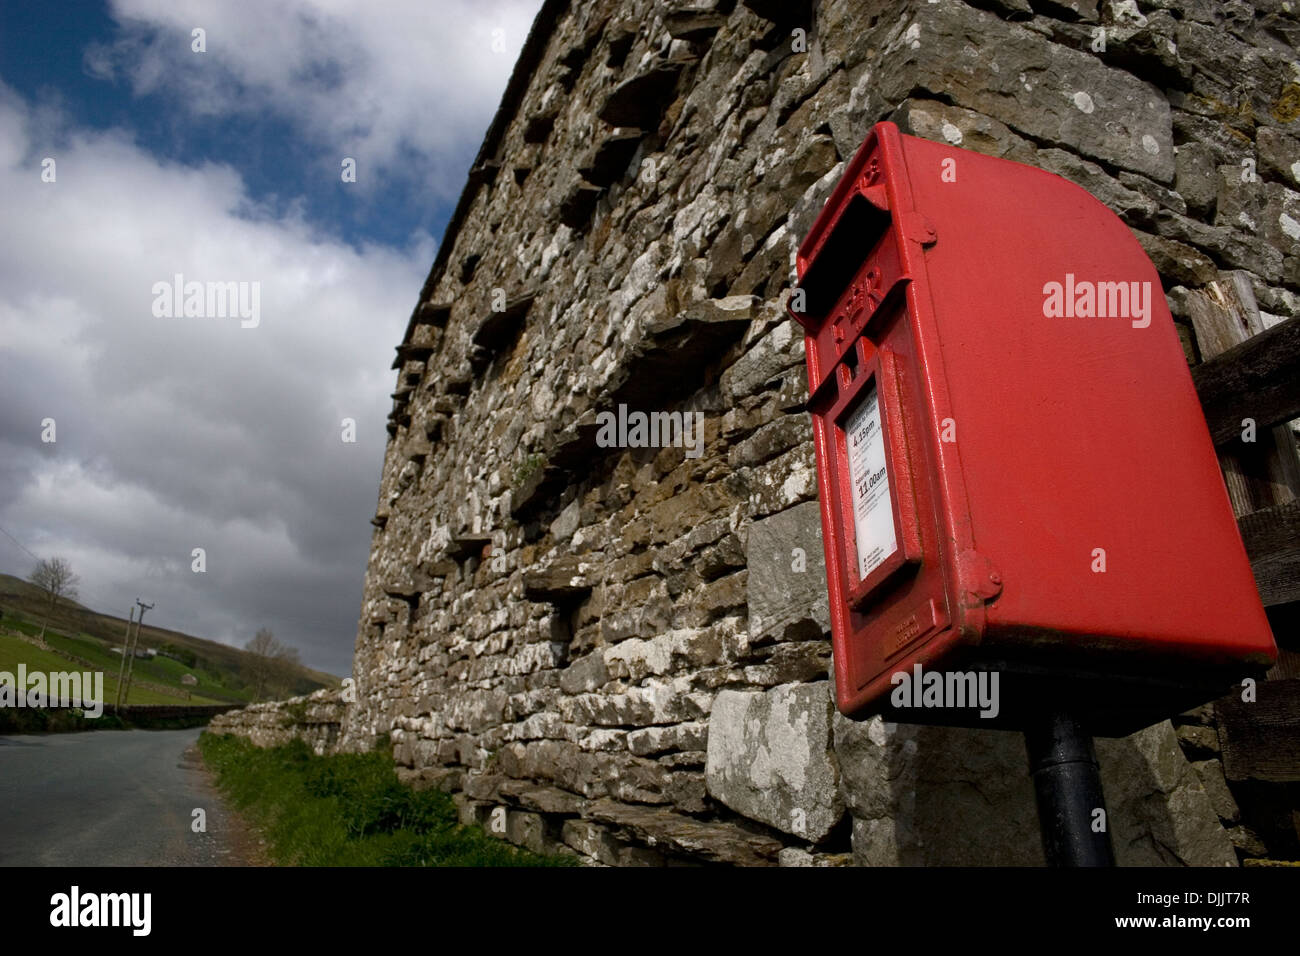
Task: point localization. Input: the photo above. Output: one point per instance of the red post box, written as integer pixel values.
(1014, 471)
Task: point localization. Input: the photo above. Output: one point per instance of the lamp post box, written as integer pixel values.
(1015, 475)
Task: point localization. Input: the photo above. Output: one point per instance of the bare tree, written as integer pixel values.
(285, 671)
(54, 576)
(271, 663)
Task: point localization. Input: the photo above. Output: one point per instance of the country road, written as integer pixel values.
(112, 798)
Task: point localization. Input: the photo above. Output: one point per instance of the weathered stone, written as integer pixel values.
(595, 841)
(907, 787)
(446, 779)
(974, 783)
(794, 856)
(579, 204)
(782, 11)
(1198, 741)
(693, 24)
(1225, 245)
(1177, 262)
(585, 674)
(787, 573)
(1279, 155)
(1168, 198)
(1267, 210)
(1130, 205)
(471, 812)
(1226, 142)
(483, 786)
(766, 360)
(477, 710)
(793, 662)
(528, 830)
(1247, 842)
(686, 760)
(1146, 45)
(1008, 9)
(770, 758)
(1212, 779)
(1178, 824)
(539, 798)
(774, 438)
(636, 659)
(676, 833)
(315, 719)
(1069, 9)
(1220, 58)
(942, 123)
(1047, 91)
(654, 740)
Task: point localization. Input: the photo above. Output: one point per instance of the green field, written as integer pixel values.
(14, 650)
(157, 670)
(86, 639)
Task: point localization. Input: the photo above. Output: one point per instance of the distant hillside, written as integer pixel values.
(79, 632)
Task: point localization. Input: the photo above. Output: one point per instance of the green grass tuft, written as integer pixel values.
(349, 810)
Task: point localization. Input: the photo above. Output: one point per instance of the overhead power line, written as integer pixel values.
(19, 543)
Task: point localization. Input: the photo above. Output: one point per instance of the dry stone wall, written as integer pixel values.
(625, 647)
(314, 718)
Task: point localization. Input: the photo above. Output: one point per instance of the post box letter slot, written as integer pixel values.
(854, 233)
(877, 506)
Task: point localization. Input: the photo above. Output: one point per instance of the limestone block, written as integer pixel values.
(1047, 91)
(958, 797)
(769, 758)
(787, 573)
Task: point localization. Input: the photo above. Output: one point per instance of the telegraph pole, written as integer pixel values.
(131, 666)
(121, 667)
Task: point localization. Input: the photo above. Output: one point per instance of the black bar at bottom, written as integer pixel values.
(1067, 784)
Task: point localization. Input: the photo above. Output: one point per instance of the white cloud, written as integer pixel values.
(182, 433)
(402, 83)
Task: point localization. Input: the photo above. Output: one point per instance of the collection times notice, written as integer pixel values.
(873, 512)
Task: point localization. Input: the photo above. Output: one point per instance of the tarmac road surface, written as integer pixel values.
(111, 798)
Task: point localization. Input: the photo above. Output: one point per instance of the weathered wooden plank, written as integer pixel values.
(1288, 664)
(1258, 379)
(1272, 539)
(1261, 739)
(1224, 313)
(1264, 472)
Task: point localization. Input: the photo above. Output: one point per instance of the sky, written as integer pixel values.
(136, 427)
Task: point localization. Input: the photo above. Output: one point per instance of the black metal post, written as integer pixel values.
(1067, 783)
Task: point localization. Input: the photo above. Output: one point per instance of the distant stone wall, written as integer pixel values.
(626, 648)
(314, 718)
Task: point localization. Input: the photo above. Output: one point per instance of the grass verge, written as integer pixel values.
(349, 810)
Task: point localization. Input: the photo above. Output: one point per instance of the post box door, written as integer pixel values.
(921, 305)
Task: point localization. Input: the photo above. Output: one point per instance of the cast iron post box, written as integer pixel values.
(1014, 472)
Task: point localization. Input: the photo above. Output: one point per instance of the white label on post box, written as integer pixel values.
(873, 511)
